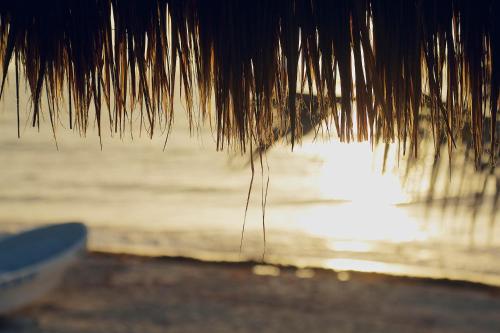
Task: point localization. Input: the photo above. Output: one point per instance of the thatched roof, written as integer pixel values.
(388, 58)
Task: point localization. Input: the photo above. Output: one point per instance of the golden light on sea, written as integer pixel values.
(364, 209)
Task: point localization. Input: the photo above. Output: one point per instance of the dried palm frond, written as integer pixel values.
(252, 58)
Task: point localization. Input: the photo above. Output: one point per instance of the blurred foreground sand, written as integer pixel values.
(118, 293)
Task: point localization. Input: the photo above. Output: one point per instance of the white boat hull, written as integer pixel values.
(21, 287)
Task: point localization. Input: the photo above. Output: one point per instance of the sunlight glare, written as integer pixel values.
(342, 264)
(351, 172)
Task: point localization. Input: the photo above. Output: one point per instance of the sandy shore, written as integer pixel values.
(116, 293)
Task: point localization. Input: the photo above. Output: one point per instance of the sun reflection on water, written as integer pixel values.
(343, 264)
(354, 172)
(359, 222)
(367, 214)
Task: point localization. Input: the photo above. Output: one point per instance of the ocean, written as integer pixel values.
(328, 204)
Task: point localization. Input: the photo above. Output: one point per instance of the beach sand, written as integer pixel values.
(122, 293)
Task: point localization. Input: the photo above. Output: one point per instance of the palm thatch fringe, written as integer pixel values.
(388, 58)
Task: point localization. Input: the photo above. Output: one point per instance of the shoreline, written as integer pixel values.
(452, 283)
(106, 292)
